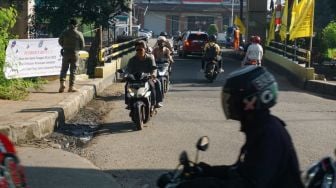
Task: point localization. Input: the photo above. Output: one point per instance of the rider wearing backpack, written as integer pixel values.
(211, 51)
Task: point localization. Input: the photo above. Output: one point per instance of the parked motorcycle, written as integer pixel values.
(163, 74)
(139, 95)
(11, 171)
(321, 174)
(186, 170)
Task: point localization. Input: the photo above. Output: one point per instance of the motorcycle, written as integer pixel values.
(139, 95)
(211, 68)
(186, 170)
(11, 171)
(163, 67)
(321, 174)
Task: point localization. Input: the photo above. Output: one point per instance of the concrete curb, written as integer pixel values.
(321, 87)
(44, 124)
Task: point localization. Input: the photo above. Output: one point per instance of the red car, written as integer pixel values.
(192, 43)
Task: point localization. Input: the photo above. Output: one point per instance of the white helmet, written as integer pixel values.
(162, 38)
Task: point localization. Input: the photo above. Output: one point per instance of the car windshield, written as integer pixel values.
(198, 37)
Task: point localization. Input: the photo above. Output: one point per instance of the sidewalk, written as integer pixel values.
(54, 168)
(44, 109)
(36, 117)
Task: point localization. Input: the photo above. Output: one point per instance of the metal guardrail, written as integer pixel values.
(117, 50)
(293, 52)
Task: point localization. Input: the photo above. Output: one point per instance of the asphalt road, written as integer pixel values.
(193, 109)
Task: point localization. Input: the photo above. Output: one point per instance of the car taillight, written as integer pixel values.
(187, 43)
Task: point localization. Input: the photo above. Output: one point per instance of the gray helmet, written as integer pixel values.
(248, 89)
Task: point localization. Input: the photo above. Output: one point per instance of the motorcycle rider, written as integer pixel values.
(254, 53)
(143, 62)
(268, 158)
(166, 43)
(161, 51)
(211, 51)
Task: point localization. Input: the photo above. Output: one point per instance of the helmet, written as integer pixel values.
(252, 38)
(212, 38)
(162, 38)
(163, 33)
(248, 89)
(257, 39)
(73, 22)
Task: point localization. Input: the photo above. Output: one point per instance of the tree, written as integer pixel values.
(7, 21)
(56, 14)
(212, 29)
(329, 39)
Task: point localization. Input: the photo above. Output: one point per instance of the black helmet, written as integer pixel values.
(248, 89)
(163, 33)
(73, 22)
(212, 38)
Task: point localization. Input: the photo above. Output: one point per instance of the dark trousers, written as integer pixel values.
(204, 59)
(71, 60)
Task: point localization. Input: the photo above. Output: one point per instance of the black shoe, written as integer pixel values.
(128, 107)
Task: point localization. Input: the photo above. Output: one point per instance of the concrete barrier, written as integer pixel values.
(298, 74)
(111, 67)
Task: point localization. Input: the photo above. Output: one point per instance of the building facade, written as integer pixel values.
(181, 15)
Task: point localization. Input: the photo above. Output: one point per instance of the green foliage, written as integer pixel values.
(56, 13)
(212, 30)
(225, 28)
(329, 39)
(329, 35)
(7, 21)
(11, 89)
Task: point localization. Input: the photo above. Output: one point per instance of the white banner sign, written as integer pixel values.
(32, 58)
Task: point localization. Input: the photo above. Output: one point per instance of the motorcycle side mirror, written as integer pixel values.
(184, 159)
(203, 143)
(121, 71)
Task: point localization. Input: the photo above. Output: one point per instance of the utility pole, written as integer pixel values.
(232, 6)
(130, 17)
(241, 9)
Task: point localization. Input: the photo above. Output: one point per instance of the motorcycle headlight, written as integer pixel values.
(131, 91)
(161, 73)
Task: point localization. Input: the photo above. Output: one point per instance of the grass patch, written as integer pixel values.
(16, 89)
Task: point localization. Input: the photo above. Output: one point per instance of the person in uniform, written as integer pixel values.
(71, 41)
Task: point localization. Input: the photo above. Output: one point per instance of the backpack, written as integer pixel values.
(211, 51)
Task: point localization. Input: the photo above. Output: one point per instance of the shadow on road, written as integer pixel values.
(116, 127)
(52, 177)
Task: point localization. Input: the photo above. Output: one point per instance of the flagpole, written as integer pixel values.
(312, 34)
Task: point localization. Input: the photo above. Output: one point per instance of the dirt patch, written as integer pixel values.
(76, 134)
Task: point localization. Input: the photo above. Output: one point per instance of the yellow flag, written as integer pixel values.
(302, 26)
(283, 27)
(240, 24)
(271, 32)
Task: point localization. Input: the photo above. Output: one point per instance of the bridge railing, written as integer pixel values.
(116, 50)
(302, 56)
